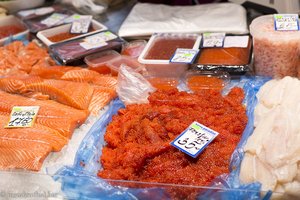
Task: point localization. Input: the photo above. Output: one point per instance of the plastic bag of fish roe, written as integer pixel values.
(276, 53)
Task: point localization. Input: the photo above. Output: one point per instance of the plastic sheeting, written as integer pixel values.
(145, 19)
(81, 182)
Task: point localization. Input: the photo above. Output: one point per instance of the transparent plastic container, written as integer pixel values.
(46, 35)
(109, 62)
(116, 63)
(11, 20)
(134, 48)
(202, 80)
(161, 47)
(276, 53)
(163, 82)
(99, 61)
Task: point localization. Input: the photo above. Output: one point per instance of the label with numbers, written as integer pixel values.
(81, 24)
(286, 22)
(38, 11)
(54, 19)
(184, 55)
(194, 139)
(97, 40)
(213, 39)
(22, 116)
(236, 41)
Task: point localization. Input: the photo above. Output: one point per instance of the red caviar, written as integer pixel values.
(8, 30)
(138, 138)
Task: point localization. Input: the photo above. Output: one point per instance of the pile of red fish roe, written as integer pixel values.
(139, 136)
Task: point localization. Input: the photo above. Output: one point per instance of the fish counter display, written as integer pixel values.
(178, 116)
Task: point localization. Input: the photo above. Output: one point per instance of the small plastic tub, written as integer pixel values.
(276, 53)
(12, 28)
(62, 33)
(116, 63)
(203, 80)
(134, 48)
(99, 61)
(163, 82)
(160, 49)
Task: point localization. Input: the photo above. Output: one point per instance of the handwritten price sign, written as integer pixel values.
(194, 139)
(22, 116)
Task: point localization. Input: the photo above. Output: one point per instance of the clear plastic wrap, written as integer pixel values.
(80, 181)
(132, 87)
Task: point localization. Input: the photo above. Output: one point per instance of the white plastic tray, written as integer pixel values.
(43, 35)
(12, 20)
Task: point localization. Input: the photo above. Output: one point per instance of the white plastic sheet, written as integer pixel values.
(145, 19)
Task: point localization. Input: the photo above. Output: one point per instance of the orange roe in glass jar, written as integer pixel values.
(138, 139)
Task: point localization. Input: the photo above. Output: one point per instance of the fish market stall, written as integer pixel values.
(113, 102)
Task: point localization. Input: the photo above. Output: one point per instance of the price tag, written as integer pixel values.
(88, 45)
(184, 55)
(39, 11)
(236, 41)
(100, 37)
(54, 19)
(81, 24)
(194, 139)
(22, 116)
(286, 22)
(213, 39)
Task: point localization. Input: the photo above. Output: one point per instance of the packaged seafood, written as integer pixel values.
(202, 80)
(12, 28)
(234, 56)
(160, 49)
(163, 82)
(99, 61)
(38, 23)
(276, 53)
(37, 12)
(74, 51)
(62, 33)
(134, 48)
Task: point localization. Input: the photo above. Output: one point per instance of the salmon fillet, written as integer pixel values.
(81, 75)
(48, 108)
(101, 97)
(37, 132)
(77, 95)
(51, 72)
(105, 81)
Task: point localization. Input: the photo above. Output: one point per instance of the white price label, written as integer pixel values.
(54, 19)
(194, 139)
(286, 22)
(213, 39)
(236, 41)
(88, 45)
(101, 37)
(184, 55)
(81, 24)
(44, 10)
(22, 116)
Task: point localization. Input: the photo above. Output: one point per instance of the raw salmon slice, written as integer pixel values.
(105, 81)
(64, 126)
(48, 108)
(23, 158)
(16, 84)
(101, 97)
(22, 154)
(51, 72)
(77, 95)
(37, 132)
(81, 75)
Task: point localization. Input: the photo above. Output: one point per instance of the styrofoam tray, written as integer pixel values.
(43, 35)
(12, 20)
